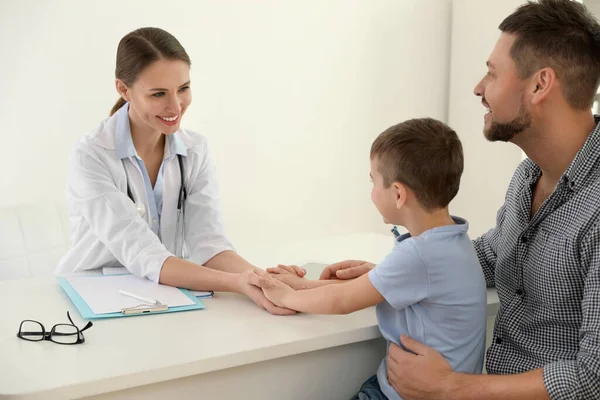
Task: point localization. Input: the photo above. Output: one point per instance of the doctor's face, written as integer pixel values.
(160, 96)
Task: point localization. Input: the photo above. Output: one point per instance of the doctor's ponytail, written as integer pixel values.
(140, 48)
(120, 103)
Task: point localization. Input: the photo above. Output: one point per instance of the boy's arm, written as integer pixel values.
(303, 284)
(312, 284)
(343, 298)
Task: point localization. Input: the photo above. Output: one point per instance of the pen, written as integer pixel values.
(135, 296)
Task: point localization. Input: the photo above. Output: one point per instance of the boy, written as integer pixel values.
(430, 287)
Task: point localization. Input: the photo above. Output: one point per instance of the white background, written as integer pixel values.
(289, 93)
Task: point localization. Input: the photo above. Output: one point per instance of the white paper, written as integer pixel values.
(115, 271)
(102, 293)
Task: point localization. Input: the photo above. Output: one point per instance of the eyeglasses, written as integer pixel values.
(34, 331)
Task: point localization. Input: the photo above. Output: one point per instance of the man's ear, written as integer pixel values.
(122, 89)
(542, 84)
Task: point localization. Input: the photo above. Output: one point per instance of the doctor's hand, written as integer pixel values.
(249, 287)
(422, 374)
(276, 291)
(348, 269)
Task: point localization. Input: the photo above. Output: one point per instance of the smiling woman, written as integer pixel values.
(142, 192)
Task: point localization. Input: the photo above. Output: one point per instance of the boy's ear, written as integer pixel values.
(400, 191)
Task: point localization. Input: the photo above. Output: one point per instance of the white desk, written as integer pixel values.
(230, 350)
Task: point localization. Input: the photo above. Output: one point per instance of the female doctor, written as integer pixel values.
(142, 192)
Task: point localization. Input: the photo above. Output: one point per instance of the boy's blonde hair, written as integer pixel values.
(424, 154)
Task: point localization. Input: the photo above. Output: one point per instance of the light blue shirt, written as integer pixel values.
(435, 293)
(125, 150)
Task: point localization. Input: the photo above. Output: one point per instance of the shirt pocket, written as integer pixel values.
(551, 274)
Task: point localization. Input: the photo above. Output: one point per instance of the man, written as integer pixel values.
(543, 256)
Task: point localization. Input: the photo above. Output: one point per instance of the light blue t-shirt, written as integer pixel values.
(435, 293)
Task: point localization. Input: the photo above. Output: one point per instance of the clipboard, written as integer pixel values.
(87, 313)
(203, 294)
(144, 309)
(108, 271)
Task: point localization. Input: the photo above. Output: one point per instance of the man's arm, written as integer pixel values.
(525, 386)
(580, 378)
(343, 298)
(486, 247)
(425, 374)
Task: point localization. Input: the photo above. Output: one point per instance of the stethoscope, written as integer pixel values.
(180, 226)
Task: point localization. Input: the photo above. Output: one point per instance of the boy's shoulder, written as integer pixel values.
(405, 255)
(446, 244)
(433, 248)
(445, 235)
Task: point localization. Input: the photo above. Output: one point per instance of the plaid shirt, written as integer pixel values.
(547, 273)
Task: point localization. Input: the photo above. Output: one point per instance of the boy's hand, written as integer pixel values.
(293, 281)
(274, 290)
(291, 275)
(348, 269)
(287, 269)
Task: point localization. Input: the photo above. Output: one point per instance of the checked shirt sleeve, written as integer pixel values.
(486, 246)
(580, 378)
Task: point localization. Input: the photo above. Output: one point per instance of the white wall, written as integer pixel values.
(488, 166)
(593, 6)
(290, 94)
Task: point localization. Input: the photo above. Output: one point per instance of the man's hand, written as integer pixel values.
(423, 375)
(348, 269)
(274, 290)
(249, 286)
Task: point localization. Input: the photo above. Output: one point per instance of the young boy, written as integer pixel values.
(431, 286)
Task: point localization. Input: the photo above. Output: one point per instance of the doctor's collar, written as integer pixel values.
(123, 142)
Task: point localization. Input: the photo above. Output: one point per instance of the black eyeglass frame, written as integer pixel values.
(43, 335)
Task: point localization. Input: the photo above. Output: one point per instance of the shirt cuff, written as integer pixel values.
(561, 380)
(200, 257)
(150, 262)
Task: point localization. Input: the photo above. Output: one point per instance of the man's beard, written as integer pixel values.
(506, 131)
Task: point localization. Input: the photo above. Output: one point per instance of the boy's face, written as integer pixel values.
(386, 200)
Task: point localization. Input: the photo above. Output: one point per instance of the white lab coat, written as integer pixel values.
(106, 227)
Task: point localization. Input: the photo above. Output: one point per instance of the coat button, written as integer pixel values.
(498, 340)
(524, 239)
(519, 292)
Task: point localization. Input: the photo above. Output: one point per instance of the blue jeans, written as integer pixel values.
(370, 390)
